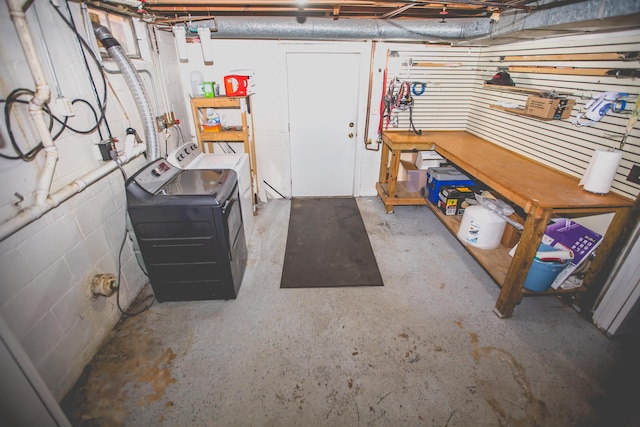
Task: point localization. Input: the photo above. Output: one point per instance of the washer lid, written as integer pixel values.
(217, 182)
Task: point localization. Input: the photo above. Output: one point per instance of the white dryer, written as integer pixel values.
(190, 156)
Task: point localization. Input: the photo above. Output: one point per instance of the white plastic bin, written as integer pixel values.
(481, 228)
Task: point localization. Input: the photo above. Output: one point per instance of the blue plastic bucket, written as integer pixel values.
(543, 273)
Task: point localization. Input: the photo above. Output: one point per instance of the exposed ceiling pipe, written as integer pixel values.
(40, 98)
(132, 78)
(569, 15)
(239, 27)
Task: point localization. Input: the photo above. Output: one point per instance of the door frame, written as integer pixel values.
(362, 48)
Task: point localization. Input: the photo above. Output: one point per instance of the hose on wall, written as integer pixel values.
(134, 83)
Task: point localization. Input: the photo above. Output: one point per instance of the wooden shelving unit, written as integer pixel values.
(550, 193)
(207, 139)
(240, 134)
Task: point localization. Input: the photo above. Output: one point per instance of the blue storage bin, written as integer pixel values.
(543, 273)
(448, 175)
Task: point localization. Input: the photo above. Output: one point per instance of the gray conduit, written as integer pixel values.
(132, 78)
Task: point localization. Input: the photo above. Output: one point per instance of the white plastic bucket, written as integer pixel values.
(481, 228)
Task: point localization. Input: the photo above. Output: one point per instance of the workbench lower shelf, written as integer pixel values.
(496, 261)
(402, 196)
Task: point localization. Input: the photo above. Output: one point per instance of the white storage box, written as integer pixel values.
(429, 159)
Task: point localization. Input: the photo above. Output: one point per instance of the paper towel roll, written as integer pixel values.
(601, 170)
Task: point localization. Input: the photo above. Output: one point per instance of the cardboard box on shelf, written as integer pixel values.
(510, 237)
(549, 108)
(416, 178)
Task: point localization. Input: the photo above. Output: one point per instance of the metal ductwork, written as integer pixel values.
(553, 18)
(289, 28)
(132, 78)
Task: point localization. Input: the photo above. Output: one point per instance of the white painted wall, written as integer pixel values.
(445, 104)
(44, 292)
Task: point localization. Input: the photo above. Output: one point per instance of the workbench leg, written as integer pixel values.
(393, 172)
(384, 164)
(511, 292)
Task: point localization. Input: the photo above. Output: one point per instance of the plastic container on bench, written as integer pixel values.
(448, 175)
(481, 228)
(542, 273)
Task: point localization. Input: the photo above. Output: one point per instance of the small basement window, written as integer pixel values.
(121, 27)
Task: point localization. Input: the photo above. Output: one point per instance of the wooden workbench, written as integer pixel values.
(539, 190)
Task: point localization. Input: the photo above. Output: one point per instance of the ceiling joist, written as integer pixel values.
(343, 9)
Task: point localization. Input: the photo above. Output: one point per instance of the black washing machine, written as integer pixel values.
(188, 224)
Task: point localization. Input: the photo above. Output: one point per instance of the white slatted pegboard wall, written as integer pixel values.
(446, 101)
(456, 99)
(559, 143)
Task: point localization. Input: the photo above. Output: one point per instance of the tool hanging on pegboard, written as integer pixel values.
(631, 123)
(394, 102)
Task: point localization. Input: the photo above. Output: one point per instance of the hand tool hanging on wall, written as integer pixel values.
(400, 101)
(631, 123)
(598, 107)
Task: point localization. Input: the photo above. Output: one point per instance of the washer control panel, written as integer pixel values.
(155, 175)
(186, 154)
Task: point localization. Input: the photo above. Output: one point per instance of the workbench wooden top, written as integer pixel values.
(519, 179)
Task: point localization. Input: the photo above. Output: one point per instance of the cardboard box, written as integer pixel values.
(416, 179)
(429, 159)
(549, 108)
(510, 237)
(453, 198)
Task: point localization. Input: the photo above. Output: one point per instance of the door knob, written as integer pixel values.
(351, 135)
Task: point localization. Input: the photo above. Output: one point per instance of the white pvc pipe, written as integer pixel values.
(36, 211)
(41, 97)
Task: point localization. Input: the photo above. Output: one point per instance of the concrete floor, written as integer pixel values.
(425, 349)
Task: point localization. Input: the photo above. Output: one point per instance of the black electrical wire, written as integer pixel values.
(269, 185)
(413, 127)
(101, 104)
(12, 99)
(122, 243)
(180, 132)
(91, 80)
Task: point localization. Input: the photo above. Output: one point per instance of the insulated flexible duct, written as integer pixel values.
(132, 78)
(314, 28)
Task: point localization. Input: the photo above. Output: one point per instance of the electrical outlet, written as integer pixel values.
(64, 107)
(634, 174)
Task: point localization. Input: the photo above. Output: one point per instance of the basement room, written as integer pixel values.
(320, 213)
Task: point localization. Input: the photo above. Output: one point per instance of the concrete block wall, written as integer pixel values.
(45, 297)
(47, 266)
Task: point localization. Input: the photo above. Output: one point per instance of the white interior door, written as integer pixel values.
(323, 105)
